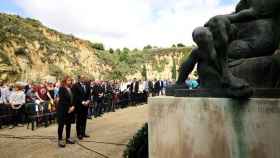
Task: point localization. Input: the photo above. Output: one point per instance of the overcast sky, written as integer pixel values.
(122, 23)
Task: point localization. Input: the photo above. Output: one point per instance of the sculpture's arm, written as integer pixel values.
(187, 67)
(243, 16)
(217, 60)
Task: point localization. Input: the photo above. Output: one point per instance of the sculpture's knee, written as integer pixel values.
(239, 49)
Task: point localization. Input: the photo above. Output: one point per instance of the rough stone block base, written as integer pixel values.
(214, 128)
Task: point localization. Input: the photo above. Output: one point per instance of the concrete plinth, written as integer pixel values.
(214, 128)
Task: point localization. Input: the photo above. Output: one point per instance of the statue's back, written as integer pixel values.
(265, 7)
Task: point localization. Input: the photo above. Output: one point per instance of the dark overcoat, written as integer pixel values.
(64, 103)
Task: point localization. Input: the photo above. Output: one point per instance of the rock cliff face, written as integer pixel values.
(162, 63)
(29, 50)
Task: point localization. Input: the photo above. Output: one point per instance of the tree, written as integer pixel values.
(98, 46)
(180, 45)
(148, 47)
(126, 50)
(144, 72)
(174, 70)
(118, 51)
(173, 45)
(111, 50)
(124, 56)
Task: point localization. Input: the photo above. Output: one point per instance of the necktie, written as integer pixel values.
(84, 87)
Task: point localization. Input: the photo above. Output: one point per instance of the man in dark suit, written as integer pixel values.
(81, 92)
(160, 87)
(157, 87)
(151, 87)
(134, 88)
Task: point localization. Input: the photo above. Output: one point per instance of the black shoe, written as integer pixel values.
(70, 141)
(80, 137)
(86, 136)
(61, 143)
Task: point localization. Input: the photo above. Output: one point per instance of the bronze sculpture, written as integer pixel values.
(244, 45)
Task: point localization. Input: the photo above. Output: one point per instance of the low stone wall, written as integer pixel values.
(214, 128)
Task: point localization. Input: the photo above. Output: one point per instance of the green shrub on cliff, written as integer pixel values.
(180, 45)
(148, 47)
(122, 63)
(125, 62)
(98, 46)
(174, 70)
(144, 72)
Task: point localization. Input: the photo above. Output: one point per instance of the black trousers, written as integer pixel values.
(81, 123)
(99, 108)
(133, 98)
(17, 116)
(60, 130)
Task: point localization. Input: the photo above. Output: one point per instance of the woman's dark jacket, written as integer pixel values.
(64, 103)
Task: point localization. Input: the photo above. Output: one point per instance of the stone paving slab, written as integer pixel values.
(108, 136)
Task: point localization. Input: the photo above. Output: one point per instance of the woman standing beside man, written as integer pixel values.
(65, 111)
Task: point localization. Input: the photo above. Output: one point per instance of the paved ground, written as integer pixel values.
(108, 136)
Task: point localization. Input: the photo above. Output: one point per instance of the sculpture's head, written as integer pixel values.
(221, 29)
(242, 5)
(202, 36)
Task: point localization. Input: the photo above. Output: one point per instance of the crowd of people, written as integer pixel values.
(74, 101)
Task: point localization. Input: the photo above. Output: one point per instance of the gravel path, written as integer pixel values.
(108, 136)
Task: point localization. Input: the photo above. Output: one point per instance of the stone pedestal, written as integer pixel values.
(214, 128)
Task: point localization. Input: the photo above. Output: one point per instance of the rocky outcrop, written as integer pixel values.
(30, 50)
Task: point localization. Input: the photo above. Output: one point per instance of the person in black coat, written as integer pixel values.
(134, 88)
(157, 87)
(65, 111)
(160, 87)
(98, 95)
(81, 92)
(151, 87)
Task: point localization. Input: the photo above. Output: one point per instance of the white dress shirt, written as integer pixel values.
(17, 98)
(5, 93)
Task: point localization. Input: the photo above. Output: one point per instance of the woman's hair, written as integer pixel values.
(18, 86)
(64, 81)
